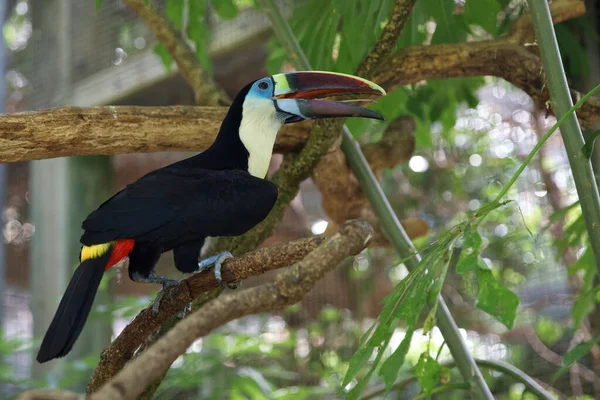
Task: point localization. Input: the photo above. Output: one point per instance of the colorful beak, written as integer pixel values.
(299, 95)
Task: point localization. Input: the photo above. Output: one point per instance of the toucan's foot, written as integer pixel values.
(166, 284)
(217, 261)
(162, 280)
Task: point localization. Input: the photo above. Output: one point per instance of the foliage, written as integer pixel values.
(484, 264)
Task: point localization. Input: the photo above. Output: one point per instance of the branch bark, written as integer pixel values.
(288, 288)
(71, 131)
(342, 197)
(389, 37)
(510, 57)
(122, 349)
(77, 131)
(207, 92)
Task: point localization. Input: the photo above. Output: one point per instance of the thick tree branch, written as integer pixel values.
(50, 394)
(509, 58)
(208, 93)
(288, 288)
(69, 131)
(258, 262)
(389, 37)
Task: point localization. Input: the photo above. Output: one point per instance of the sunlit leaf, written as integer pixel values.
(470, 251)
(174, 11)
(225, 9)
(197, 31)
(161, 51)
(390, 368)
(574, 355)
(483, 13)
(495, 299)
(548, 330)
(427, 372)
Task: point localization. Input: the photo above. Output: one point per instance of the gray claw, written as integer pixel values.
(217, 261)
(160, 294)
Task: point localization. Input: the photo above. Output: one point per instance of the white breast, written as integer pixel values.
(258, 130)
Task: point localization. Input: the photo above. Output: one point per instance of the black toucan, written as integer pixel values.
(219, 192)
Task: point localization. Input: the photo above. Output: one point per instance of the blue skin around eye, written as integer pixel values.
(255, 91)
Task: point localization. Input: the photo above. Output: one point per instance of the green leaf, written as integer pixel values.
(427, 372)
(449, 27)
(414, 31)
(572, 52)
(161, 51)
(198, 31)
(174, 11)
(390, 368)
(586, 299)
(225, 9)
(470, 251)
(574, 355)
(98, 4)
(483, 13)
(495, 299)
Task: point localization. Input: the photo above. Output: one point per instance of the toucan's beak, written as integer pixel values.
(299, 95)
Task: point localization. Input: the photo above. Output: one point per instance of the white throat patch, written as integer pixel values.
(258, 130)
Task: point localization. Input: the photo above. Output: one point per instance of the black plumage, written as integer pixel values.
(178, 206)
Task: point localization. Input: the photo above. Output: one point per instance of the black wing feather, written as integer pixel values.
(179, 205)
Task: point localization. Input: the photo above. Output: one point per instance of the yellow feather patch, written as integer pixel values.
(94, 251)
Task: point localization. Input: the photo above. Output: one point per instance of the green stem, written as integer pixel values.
(583, 174)
(499, 366)
(543, 140)
(445, 388)
(387, 218)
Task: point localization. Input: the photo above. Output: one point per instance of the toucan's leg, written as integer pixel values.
(142, 261)
(161, 280)
(187, 260)
(217, 261)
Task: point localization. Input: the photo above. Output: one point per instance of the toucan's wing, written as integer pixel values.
(175, 204)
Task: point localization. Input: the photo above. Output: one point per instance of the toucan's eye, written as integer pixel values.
(263, 85)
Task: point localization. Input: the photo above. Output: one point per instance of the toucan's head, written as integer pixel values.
(270, 102)
(299, 96)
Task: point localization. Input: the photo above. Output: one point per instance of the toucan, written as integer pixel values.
(219, 192)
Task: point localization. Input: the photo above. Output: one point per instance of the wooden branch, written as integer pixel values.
(208, 93)
(389, 37)
(50, 394)
(176, 298)
(288, 288)
(70, 131)
(508, 58)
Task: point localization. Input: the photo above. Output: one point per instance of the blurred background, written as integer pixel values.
(470, 136)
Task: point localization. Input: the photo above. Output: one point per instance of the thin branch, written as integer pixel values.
(288, 287)
(530, 384)
(389, 37)
(509, 57)
(208, 93)
(70, 131)
(388, 219)
(50, 394)
(122, 349)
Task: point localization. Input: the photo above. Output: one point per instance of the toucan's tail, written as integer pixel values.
(74, 308)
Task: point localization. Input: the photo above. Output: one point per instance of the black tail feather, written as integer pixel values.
(73, 309)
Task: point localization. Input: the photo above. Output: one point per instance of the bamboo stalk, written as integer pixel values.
(388, 219)
(583, 174)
